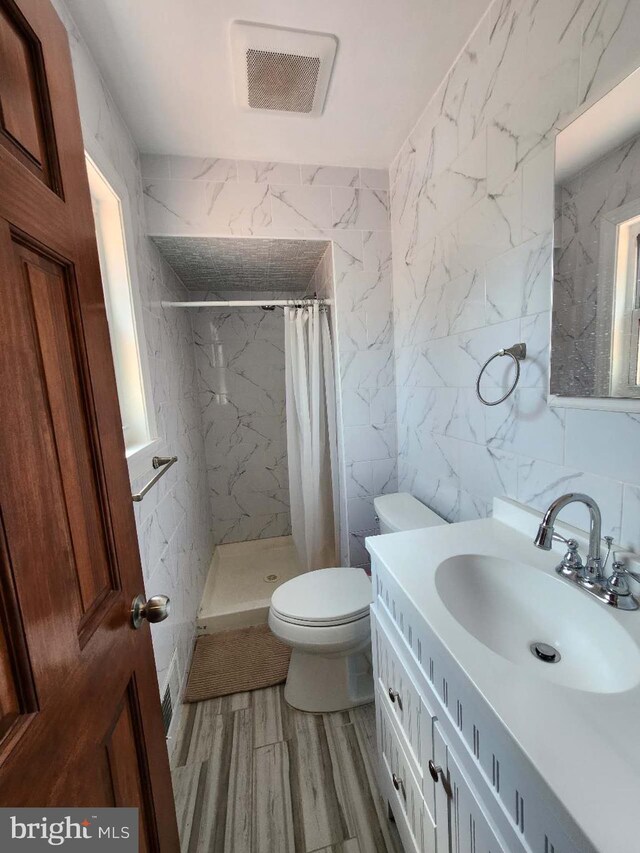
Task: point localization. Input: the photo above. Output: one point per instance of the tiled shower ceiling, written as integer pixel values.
(228, 264)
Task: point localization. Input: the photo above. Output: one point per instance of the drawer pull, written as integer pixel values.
(395, 697)
(438, 773)
(398, 784)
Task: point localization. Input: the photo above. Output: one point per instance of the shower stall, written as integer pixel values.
(268, 414)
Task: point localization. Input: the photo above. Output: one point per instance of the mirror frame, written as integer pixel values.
(629, 405)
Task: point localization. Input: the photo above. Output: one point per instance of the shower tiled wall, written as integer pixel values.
(472, 218)
(349, 206)
(173, 520)
(240, 364)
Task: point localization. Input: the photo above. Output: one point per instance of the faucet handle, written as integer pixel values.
(621, 569)
(571, 564)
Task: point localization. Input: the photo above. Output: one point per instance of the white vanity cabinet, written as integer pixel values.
(431, 722)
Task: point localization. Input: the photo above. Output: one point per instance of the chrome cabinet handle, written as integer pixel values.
(438, 773)
(398, 784)
(156, 609)
(395, 697)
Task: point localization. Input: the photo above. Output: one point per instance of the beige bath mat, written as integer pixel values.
(234, 661)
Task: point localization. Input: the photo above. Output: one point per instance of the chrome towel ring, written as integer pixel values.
(517, 352)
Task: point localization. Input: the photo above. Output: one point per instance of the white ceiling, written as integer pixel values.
(167, 63)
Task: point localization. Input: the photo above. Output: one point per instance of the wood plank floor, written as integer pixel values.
(252, 775)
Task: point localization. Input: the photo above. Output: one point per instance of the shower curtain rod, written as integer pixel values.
(245, 303)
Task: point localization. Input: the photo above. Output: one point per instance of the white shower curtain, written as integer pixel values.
(311, 435)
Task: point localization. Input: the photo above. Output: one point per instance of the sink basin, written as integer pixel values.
(508, 606)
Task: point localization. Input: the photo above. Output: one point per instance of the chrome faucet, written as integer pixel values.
(614, 590)
(592, 571)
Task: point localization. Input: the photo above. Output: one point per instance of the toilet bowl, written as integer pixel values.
(324, 616)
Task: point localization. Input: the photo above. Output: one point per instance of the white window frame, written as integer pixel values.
(625, 364)
(138, 456)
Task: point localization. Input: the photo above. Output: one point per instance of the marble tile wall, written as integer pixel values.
(240, 364)
(174, 525)
(348, 206)
(472, 219)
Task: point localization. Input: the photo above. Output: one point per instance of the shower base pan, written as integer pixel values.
(241, 581)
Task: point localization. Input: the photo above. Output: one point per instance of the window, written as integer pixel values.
(119, 300)
(625, 374)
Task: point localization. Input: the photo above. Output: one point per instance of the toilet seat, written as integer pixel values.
(324, 598)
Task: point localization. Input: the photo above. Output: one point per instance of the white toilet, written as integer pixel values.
(324, 616)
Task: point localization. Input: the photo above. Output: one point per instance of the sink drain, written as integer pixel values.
(545, 652)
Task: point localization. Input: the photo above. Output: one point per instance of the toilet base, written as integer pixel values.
(322, 684)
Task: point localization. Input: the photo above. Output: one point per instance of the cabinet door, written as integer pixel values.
(463, 827)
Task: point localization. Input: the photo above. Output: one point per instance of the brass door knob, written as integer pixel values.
(156, 609)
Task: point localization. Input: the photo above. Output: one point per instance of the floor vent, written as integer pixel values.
(167, 710)
(281, 70)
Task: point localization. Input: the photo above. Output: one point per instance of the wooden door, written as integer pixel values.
(80, 719)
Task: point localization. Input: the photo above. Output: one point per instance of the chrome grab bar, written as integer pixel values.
(164, 462)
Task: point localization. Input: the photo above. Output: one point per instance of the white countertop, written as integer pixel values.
(585, 745)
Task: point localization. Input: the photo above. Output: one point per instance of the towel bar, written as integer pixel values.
(163, 462)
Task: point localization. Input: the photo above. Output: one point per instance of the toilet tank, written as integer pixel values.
(402, 511)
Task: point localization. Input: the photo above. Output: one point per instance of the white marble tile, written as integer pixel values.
(538, 193)
(630, 534)
(305, 207)
(174, 207)
(464, 304)
(385, 476)
(232, 208)
(330, 176)
(359, 480)
(360, 514)
(369, 369)
(259, 172)
(155, 167)
(461, 184)
(365, 443)
(605, 443)
(360, 208)
(203, 169)
(377, 253)
(539, 483)
(374, 179)
(383, 405)
(609, 50)
(356, 406)
(519, 282)
(525, 424)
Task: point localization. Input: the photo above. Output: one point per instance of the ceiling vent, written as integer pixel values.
(281, 70)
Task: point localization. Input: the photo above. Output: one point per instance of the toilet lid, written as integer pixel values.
(325, 596)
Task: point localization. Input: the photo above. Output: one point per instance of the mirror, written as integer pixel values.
(595, 346)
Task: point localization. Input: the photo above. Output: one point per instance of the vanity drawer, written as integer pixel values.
(399, 692)
(401, 788)
(411, 715)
